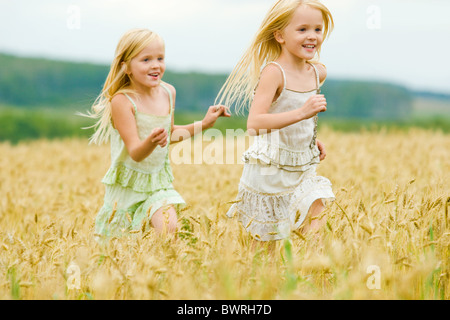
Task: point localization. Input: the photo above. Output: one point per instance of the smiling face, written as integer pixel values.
(303, 36)
(147, 68)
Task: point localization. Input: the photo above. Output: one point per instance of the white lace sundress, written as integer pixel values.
(279, 181)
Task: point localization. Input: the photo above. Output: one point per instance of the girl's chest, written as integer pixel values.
(146, 123)
(305, 82)
(290, 100)
(157, 106)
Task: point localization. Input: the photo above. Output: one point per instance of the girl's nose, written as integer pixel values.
(154, 63)
(312, 36)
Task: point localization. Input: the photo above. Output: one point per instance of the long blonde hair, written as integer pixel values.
(118, 81)
(238, 88)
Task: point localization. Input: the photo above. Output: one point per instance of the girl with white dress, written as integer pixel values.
(279, 77)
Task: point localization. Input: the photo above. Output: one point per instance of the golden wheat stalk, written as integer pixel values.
(113, 213)
(129, 217)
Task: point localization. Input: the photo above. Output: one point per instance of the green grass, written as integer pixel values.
(18, 124)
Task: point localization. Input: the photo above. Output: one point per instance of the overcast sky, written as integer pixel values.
(405, 42)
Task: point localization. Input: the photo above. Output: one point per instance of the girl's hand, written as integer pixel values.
(321, 147)
(314, 105)
(159, 136)
(213, 113)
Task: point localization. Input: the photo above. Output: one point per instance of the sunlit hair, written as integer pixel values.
(118, 81)
(239, 87)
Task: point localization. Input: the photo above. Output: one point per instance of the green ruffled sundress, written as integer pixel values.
(134, 191)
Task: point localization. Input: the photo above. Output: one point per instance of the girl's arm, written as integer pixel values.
(270, 85)
(321, 147)
(122, 114)
(322, 72)
(182, 132)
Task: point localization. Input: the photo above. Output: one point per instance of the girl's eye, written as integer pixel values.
(318, 30)
(302, 30)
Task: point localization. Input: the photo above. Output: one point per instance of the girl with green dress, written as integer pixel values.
(135, 114)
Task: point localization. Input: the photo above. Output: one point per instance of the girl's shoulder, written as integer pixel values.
(322, 70)
(273, 72)
(273, 68)
(121, 108)
(120, 101)
(170, 87)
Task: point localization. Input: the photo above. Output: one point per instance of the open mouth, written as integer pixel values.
(309, 46)
(154, 75)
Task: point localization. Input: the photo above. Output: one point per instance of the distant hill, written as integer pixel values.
(35, 82)
(32, 82)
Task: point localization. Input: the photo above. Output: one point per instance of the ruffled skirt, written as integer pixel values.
(126, 210)
(271, 201)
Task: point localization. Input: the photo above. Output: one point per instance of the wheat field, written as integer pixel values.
(387, 235)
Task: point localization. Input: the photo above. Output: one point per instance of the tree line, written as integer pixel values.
(34, 83)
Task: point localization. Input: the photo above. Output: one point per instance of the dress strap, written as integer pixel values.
(282, 71)
(134, 104)
(284, 75)
(170, 97)
(317, 77)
